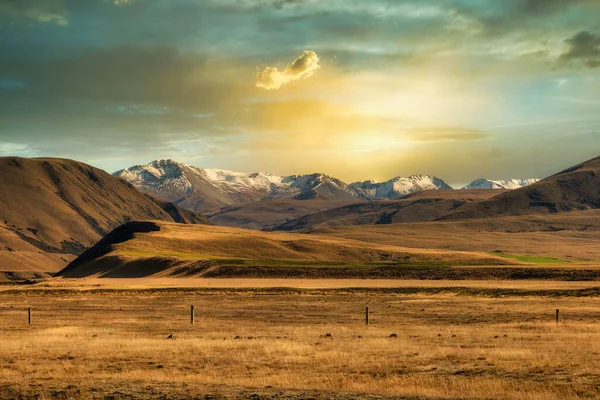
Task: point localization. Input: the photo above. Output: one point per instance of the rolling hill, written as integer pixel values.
(560, 238)
(53, 209)
(576, 188)
(416, 207)
(160, 249)
(266, 214)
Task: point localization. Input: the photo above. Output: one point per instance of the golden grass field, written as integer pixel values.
(570, 236)
(113, 343)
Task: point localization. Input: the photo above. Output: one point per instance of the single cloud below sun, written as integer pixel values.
(301, 68)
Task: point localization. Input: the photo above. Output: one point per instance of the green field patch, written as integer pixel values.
(532, 259)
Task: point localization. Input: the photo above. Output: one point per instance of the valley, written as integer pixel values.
(461, 289)
(299, 200)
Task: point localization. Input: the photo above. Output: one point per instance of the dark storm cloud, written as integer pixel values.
(584, 48)
(544, 6)
(503, 17)
(125, 97)
(126, 74)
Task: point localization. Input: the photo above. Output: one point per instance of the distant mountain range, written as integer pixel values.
(500, 184)
(209, 190)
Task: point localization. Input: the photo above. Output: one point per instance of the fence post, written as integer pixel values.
(192, 315)
(367, 316)
(29, 316)
(557, 315)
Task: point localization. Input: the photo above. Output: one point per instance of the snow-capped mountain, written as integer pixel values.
(399, 186)
(500, 184)
(208, 190)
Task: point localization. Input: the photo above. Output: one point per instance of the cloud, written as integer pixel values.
(28, 11)
(8, 84)
(128, 75)
(584, 48)
(502, 17)
(8, 148)
(122, 2)
(129, 95)
(446, 135)
(310, 117)
(139, 109)
(301, 68)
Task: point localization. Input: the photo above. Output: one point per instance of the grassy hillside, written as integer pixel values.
(164, 249)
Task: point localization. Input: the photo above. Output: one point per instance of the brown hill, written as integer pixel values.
(416, 207)
(53, 209)
(576, 188)
(142, 249)
(266, 214)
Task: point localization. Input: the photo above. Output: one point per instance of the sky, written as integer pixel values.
(459, 89)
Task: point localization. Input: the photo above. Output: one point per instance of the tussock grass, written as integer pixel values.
(447, 346)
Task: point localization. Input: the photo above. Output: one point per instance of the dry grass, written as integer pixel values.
(200, 250)
(197, 284)
(99, 344)
(216, 241)
(570, 236)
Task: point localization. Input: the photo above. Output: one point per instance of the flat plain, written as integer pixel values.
(118, 342)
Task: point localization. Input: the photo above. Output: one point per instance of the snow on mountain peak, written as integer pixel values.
(231, 180)
(483, 183)
(167, 174)
(399, 186)
(208, 190)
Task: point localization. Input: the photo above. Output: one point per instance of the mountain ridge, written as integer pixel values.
(210, 190)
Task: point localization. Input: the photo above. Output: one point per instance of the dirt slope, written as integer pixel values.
(576, 188)
(52, 209)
